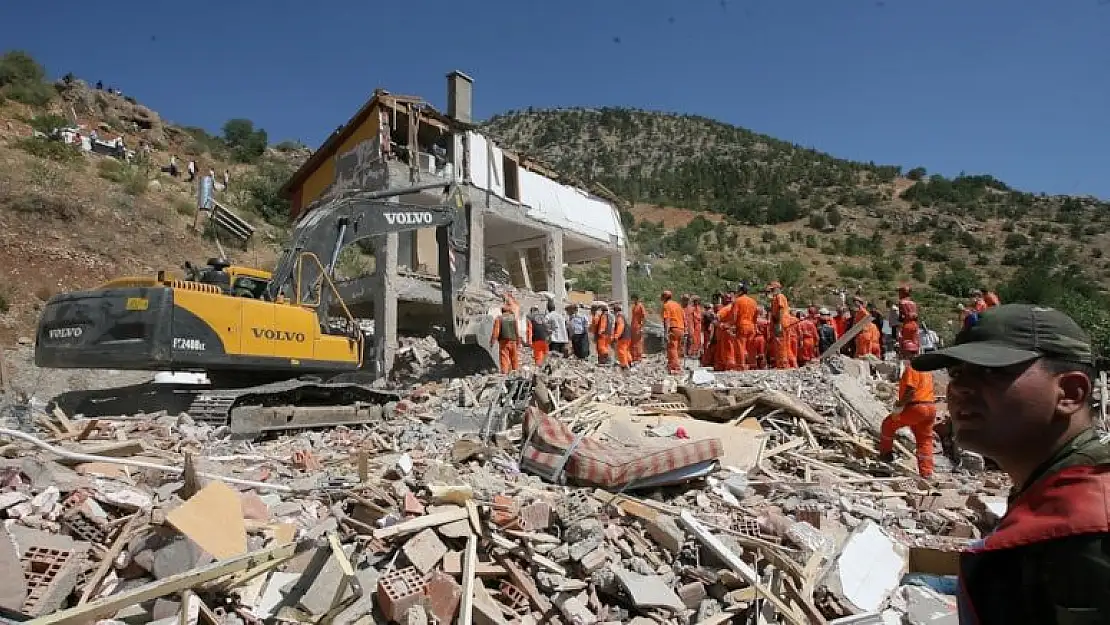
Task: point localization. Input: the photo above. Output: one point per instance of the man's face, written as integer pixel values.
(1010, 411)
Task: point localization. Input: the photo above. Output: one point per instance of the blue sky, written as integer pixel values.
(1016, 88)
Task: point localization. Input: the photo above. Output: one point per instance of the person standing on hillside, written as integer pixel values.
(506, 335)
(674, 329)
(639, 317)
(915, 409)
(1019, 393)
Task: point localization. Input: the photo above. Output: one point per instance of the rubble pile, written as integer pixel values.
(576, 494)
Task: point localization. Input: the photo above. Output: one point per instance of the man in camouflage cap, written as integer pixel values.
(1019, 392)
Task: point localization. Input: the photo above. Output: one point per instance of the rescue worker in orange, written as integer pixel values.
(537, 335)
(807, 337)
(688, 338)
(864, 338)
(978, 304)
(622, 331)
(674, 328)
(712, 331)
(603, 334)
(779, 326)
(725, 357)
(745, 312)
(506, 334)
(639, 315)
(909, 338)
(693, 321)
(916, 409)
(759, 341)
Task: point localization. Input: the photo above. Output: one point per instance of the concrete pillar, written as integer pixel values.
(556, 282)
(525, 276)
(619, 267)
(477, 227)
(385, 302)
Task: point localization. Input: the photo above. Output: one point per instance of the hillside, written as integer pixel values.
(711, 203)
(71, 219)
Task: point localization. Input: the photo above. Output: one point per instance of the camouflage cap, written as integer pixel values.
(1012, 334)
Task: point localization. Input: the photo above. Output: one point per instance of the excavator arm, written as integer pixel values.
(331, 224)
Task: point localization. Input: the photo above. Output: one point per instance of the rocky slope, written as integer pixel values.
(71, 220)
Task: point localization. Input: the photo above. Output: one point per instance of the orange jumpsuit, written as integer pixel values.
(506, 334)
(780, 333)
(675, 322)
(744, 313)
(909, 336)
(863, 339)
(918, 413)
(725, 358)
(760, 343)
(990, 298)
(876, 341)
(639, 315)
(693, 322)
(602, 336)
(623, 333)
(807, 333)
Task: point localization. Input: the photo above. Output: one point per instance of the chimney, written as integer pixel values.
(460, 88)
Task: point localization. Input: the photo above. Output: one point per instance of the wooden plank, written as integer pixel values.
(175, 583)
(422, 522)
(5, 376)
(213, 519)
(847, 336)
(470, 559)
(734, 562)
(108, 559)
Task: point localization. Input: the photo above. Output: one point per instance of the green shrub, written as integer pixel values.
(52, 150)
(5, 306)
(133, 177)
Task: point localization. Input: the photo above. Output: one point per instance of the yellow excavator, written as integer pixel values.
(280, 350)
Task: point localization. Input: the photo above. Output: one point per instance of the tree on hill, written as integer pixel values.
(247, 143)
(23, 79)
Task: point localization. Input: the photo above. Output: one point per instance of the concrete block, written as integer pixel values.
(666, 532)
(925, 606)
(178, 556)
(692, 594)
(322, 584)
(424, 550)
(43, 474)
(13, 587)
(368, 579)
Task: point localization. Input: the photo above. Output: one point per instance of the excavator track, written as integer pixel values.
(278, 406)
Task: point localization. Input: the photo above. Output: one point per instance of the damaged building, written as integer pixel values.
(523, 219)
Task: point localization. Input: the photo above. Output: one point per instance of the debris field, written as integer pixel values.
(575, 494)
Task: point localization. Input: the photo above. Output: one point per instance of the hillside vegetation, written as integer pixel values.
(711, 203)
(71, 220)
